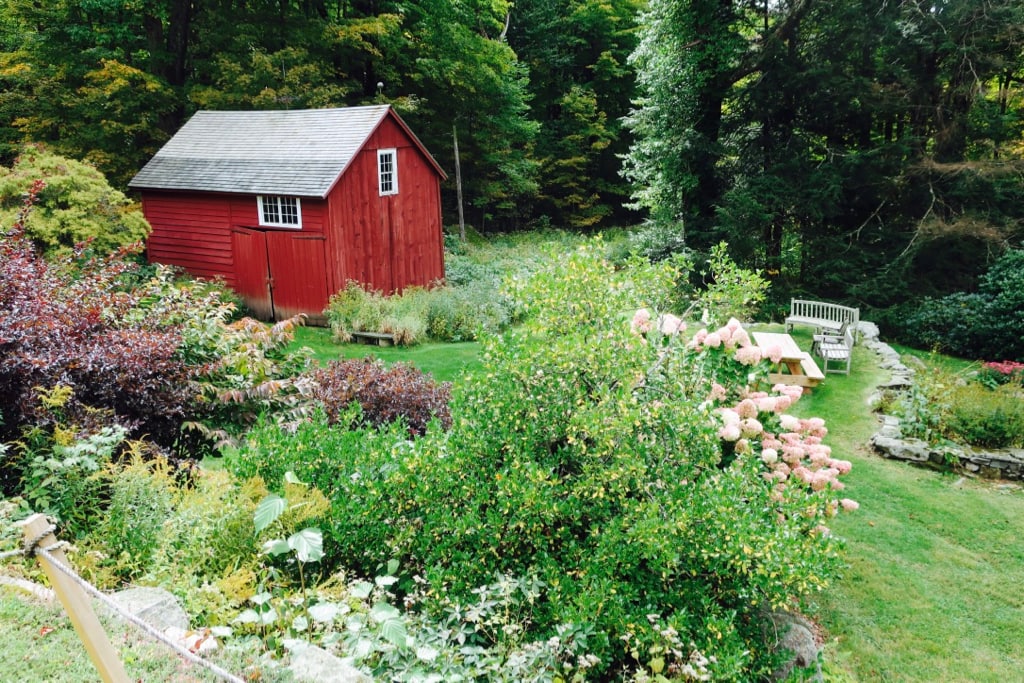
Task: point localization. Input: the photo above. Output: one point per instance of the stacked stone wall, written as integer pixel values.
(888, 441)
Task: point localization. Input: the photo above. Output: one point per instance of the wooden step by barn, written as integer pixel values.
(374, 338)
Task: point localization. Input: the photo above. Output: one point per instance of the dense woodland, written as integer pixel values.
(864, 150)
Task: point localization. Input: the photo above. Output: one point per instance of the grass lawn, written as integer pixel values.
(446, 362)
(936, 561)
(40, 644)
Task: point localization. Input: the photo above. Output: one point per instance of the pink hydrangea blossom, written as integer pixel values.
(789, 422)
(748, 355)
(774, 353)
(729, 416)
(713, 340)
(849, 505)
(670, 324)
(641, 321)
(741, 337)
(746, 408)
(769, 456)
(718, 392)
(843, 466)
(792, 390)
(729, 432)
(751, 428)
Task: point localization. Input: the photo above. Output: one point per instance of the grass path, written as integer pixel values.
(936, 561)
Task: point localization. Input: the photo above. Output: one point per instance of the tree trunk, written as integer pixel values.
(458, 183)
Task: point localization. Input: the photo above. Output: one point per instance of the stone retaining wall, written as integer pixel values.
(889, 442)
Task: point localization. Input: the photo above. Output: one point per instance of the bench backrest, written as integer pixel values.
(823, 310)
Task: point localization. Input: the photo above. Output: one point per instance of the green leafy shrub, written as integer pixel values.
(253, 371)
(75, 204)
(67, 478)
(141, 492)
(355, 309)
(464, 313)
(654, 241)
(980, 416)
(385, 394)
(626, 470)
(442, 313)
(982, 324)
(349, 462)
(730, 291)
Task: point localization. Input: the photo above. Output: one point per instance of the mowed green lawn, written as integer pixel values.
(936, 561)
(445, 362)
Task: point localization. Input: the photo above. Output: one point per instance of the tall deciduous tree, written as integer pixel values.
(581, 87)
(685, 64)
(467, 74)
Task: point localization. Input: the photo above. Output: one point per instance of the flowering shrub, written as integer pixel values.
(400, 392)
(650, 480)
(994, 374)
(63, 325)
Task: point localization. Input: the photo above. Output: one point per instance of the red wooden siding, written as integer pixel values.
(192, 231)
(252, 271)
(390, 242)
(298, 275)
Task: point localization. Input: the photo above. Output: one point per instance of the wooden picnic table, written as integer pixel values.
(795, 366)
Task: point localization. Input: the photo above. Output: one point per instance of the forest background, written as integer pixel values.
(866, 151)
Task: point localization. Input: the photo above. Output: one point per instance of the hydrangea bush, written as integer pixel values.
(648, 478)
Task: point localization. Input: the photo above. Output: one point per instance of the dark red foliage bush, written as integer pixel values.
(385, 394)
(60, 325)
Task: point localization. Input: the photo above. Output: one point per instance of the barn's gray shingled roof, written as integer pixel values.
(292, 152)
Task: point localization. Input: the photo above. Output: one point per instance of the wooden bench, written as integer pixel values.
(377, 338)
(812, 375)
(835, 349)
(823, 316)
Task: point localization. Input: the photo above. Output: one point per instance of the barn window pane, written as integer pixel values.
(282, 212)
(387, 171)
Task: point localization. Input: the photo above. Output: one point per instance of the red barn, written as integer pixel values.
(288, 206)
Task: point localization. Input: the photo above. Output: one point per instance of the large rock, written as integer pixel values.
(794, 634)
(317, 665)
(155, 606)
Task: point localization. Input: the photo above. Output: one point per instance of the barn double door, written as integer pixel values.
(280, 274)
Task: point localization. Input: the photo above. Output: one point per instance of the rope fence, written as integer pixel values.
(80, 611)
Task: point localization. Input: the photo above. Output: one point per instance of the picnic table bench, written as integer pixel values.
(823, 316)
(795, 366)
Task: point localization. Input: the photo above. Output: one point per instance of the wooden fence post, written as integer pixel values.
(76, 603)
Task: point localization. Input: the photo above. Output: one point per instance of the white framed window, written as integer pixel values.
(387, 171)
(280, 212)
